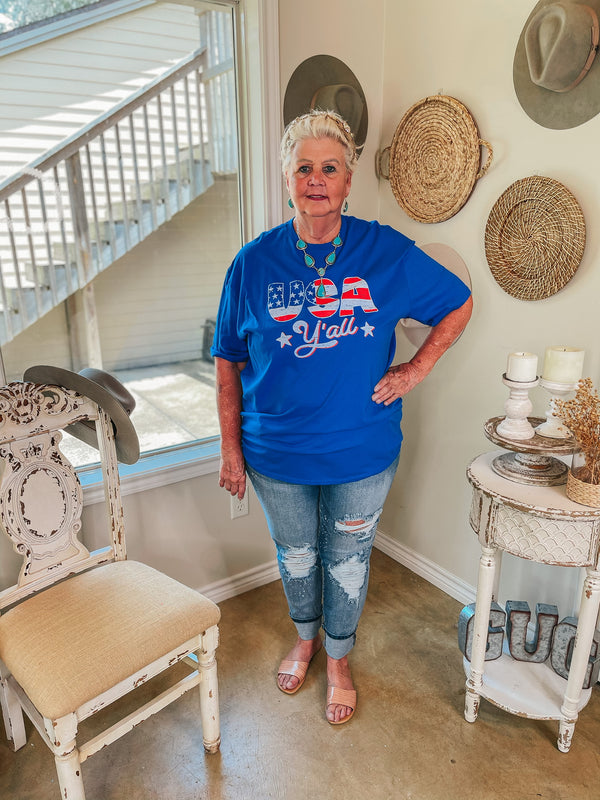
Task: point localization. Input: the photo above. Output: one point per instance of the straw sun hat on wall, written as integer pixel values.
(556, 68)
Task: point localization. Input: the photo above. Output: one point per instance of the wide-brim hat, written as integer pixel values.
(325, 82)
(534, 238)
(105, 390)
(435, 158)
(556, 68)
(416, 332)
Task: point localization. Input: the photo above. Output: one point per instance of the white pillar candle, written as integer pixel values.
(563, 364)
(521, 367)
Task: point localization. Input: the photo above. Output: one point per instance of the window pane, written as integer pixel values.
(155, 217)
(19, 13)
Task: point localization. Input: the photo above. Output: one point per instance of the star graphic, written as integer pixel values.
(368, 329)
(284, 340)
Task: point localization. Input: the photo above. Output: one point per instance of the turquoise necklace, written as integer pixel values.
(329, 261)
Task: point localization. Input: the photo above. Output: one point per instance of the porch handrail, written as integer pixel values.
(113, 183)
(63, 150)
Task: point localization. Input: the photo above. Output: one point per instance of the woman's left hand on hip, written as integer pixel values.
(396, 382)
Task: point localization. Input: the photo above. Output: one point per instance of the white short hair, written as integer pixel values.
(318, 124)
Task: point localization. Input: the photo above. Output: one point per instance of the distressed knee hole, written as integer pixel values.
(350, 575)
(358, 526)
(298, 561)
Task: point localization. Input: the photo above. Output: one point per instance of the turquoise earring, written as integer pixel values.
(290, 204)
(345, 208)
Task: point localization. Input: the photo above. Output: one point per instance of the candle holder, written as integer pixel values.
(554, 427)
(518, 406)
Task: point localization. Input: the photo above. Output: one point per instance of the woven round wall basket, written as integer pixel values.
(435, 159)
(534, 238)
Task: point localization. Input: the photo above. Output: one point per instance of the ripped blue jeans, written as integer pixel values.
(324, 536)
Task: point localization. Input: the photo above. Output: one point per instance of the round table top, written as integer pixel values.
(545, 501)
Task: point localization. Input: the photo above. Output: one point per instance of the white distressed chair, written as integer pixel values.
(81, 629)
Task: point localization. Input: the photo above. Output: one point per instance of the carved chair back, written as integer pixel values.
(41, 498)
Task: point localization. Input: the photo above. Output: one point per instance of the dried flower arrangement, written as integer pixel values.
(581, 415)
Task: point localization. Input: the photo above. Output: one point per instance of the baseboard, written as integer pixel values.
(243, 582)
(432, 572)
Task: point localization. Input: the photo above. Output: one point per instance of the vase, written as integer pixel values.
(578, 488)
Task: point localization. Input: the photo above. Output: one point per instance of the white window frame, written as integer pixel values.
(256, 32)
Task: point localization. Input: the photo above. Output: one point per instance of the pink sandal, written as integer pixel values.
(341, 697)
(296, 669)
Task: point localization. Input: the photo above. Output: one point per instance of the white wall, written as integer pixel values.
(401, 53)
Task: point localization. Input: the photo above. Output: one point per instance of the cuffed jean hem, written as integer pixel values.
(335, 648)
(308, 630)
(338, 648)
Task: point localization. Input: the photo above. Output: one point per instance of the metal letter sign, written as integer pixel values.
(517, 620)
(495, 631)
(563, 642)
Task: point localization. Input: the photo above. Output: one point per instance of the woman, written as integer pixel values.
(309, 405)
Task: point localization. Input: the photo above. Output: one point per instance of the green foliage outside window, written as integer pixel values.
(19, 13)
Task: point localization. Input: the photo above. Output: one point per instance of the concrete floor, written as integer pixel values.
(408, 738)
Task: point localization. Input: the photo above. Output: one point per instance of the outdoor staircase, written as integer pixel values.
(73, 212)
(129, 222)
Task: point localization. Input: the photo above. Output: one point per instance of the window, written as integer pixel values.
(16, 14)
(149, 205)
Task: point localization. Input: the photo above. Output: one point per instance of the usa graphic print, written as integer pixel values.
(276, 303)
(305, 339)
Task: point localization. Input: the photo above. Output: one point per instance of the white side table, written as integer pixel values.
(541, 524)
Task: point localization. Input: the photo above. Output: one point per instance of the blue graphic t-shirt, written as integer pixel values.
(312, 361)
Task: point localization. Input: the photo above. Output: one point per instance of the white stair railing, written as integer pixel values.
(73, 212)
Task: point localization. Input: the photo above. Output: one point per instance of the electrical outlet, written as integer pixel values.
(239, 508)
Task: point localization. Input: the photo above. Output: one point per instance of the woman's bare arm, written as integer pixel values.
(232, 473)
(400, 379)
